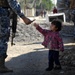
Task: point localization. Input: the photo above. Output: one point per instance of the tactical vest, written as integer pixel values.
(4, 3)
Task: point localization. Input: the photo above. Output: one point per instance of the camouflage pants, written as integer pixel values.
(4, 31)
(74, 25)
(72, 12)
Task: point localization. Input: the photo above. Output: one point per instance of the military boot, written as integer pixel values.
(3, 68)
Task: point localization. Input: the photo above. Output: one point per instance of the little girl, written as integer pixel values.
(52, 41)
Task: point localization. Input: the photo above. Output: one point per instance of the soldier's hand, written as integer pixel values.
(27, 21)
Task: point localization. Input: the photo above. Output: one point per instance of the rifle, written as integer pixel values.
(14, 26)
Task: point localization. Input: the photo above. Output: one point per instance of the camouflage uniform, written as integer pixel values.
(5, 24)
(5, 5)
(71, 5)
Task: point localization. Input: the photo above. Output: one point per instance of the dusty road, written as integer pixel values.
(32, 59)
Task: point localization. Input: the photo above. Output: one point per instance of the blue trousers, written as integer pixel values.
(53, 58)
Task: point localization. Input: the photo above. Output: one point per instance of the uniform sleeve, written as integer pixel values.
(15, 6)
(67, 3)
(60, 42)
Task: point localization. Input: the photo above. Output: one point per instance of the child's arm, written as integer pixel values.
(42, 31)
(60, 42)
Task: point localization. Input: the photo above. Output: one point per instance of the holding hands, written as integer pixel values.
(27, 20)
(36, 25)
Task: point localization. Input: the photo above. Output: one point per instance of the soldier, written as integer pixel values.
(5, 28)
(71, 6)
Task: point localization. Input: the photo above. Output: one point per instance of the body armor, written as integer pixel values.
(4, 3)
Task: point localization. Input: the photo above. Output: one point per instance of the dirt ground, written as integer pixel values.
(31, 58)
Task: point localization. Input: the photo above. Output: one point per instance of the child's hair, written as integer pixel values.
(58, 24)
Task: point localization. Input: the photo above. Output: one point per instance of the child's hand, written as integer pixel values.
(36, 25)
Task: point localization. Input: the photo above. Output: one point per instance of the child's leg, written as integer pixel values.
(56, 60)
(50, 58)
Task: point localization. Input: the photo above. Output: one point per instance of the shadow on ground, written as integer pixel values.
(35, 63)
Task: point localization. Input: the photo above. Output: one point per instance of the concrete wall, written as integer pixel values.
(30, 12)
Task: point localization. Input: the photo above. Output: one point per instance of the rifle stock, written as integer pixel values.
(14, 26)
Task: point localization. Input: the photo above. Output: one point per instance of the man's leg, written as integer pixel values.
(3, 55)
(4, 37)
(74, 24)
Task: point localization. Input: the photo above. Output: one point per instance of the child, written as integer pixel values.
(53, 42)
